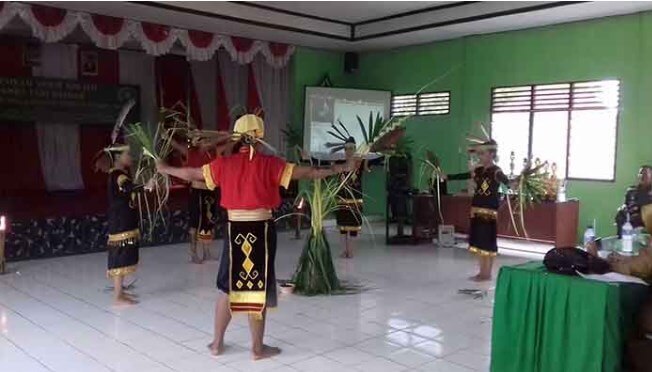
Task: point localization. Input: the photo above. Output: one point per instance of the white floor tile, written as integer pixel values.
(407, 316)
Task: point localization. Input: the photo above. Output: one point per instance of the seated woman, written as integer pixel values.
(636, 198)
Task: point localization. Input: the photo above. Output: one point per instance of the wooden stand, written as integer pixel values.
(425, 219)
(548, 222)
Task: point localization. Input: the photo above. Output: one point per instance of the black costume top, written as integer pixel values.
(122, 216)
(487, 182)
(353, 190)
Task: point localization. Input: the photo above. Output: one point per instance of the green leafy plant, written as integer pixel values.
(293, 140)
(530, 188)
(154, 145)
(315, 273)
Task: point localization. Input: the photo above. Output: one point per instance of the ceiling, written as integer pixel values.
(356, 25)
(355, 11)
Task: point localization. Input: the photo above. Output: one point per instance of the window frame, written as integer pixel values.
(417, 108)
(532, 111)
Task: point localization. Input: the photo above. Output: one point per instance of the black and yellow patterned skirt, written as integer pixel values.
(203, 213)
(246, 270)
(123, 253)
(349, 216)
(483, 232)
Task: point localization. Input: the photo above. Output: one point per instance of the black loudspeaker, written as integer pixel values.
(350, 62)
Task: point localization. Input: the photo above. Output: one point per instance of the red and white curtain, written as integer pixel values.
(51, 24)
(58, 143)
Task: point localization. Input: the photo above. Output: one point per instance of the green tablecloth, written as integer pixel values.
(546, 322)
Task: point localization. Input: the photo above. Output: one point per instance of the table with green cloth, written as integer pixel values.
(545, 322)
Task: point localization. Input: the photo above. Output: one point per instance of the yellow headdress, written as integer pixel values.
(249, 128)
(250, 125)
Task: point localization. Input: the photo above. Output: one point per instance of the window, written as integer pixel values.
(404, 105)
(573, 125)
(421, 104)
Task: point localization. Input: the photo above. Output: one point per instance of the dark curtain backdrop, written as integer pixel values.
(174, 83)
(20, 167)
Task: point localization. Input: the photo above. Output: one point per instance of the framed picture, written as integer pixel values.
(88, 63)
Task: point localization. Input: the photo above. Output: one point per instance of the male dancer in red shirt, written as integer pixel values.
(249, 183)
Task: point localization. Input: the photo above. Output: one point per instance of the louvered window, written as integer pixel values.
(434, 103)
(404, 105)
(421, 104)
(573, 125)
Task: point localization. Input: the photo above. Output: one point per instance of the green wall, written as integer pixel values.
(617, 47)
(310, 67)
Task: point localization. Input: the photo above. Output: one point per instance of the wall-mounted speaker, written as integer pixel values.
(350, 62)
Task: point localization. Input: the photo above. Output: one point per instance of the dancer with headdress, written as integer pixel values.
(203, 204)
(484, 207)
(249, 181)
(349, 213)
(124, 233)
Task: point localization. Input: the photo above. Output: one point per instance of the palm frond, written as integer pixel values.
(363, 130)
(531, 189)
(122, 116)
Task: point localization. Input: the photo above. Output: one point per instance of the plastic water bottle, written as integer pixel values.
(589, 236)
(628, 236)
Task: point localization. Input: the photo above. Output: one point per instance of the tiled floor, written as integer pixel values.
(55, 316)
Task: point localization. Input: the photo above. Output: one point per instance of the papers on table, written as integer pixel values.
(613, 278)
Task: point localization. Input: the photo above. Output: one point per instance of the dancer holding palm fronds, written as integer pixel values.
(124, 233)
(249, 181)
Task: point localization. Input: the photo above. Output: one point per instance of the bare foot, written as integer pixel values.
(265, 352)
(124, 300)
(131, 295)
(196, 260)
(480, 278)
(216, 348)
(346, 255)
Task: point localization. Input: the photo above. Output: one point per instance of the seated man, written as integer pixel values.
(636, 198)
(639, 345)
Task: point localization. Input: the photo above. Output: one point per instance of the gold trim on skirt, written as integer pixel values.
(123, 237)
(351, 201)
(481, 252)
(121, 271)
(244, 215)
(484, 212)
(350, 228)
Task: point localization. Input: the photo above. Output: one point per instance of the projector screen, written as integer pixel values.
(326, 106)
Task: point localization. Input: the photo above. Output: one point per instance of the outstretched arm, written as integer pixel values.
(457, 177)
(216, 140)
(181, 148)
(313, 173)
(225, 148)
(185, 173)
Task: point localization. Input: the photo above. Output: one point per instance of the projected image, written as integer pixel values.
(321, 110)
(328, 106)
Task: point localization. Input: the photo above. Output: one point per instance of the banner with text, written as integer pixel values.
(29, 99)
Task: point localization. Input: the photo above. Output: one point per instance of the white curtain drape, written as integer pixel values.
(58, 143)
(138, 69)
(273, 85)
(204, 75)
(234, 78)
